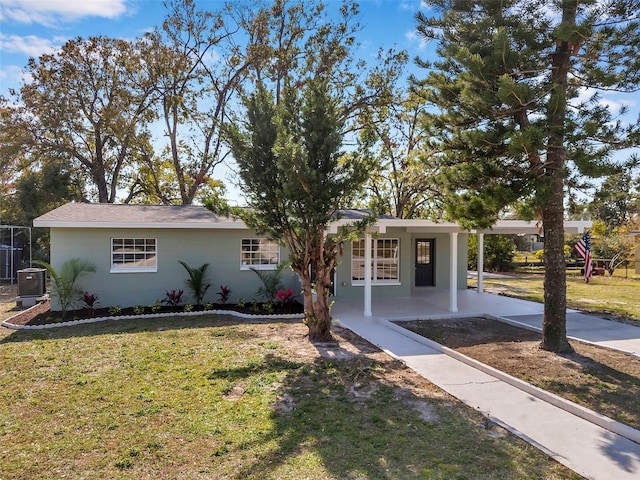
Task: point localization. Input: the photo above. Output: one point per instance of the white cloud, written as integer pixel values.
(414, 39)
(49, 12)
(29, 45)
(606, 100)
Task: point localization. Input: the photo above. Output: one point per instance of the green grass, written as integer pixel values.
(603, 294)
(211, 397)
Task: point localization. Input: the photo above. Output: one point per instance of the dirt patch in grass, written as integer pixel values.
(601, 379)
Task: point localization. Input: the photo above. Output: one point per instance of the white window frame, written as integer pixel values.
(144, 249)
(272, 249)
(377, 262)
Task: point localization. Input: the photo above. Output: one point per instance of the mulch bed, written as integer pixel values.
(42, 314)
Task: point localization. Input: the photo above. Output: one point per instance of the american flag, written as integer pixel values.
(583, 247)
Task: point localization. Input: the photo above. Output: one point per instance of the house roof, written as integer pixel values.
(109, 215)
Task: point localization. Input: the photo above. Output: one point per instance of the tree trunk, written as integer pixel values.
(554, 324)
(320, 324)
(317, 314)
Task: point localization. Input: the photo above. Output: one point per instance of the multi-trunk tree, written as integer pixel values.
(198, 65)
(402, 180)
(310, 95)
(510, 123)
(88, 105)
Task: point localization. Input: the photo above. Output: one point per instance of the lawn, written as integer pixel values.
(613, 295)
(214, 397)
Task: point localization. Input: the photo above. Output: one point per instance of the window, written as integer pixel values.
(134, 255)
(384, 261)
(259, 253)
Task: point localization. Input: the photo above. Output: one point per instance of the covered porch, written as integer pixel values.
(434, 300)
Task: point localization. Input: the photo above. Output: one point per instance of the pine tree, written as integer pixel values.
(510, 123)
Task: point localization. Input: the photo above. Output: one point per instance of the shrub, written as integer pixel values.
(188, 307)
(286, 298)
(64, 283)
(156, 306)
(138, 309)
(173, 298)
(89, 301)
(224, 294)
(271, 282)
(197, 281)
(115, 310)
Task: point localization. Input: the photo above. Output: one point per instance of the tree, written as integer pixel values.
(297, 179)
(198, 67)
(498, 253)
(310, 94)
(616, 201)
(509, 119)
(401, 183)
(88, 104)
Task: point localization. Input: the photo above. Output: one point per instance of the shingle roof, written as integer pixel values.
(130, 216)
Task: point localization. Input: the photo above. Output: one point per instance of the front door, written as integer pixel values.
(424, 262)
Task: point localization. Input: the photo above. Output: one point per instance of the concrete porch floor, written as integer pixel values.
(434, 303)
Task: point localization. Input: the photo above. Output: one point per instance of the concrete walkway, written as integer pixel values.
(588, 449)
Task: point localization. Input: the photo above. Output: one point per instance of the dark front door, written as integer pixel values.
(424, 262)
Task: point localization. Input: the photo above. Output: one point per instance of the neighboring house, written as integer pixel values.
(136, 249)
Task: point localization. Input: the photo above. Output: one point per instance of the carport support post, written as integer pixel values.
(480, 262)
(453, 272)
(367, 275)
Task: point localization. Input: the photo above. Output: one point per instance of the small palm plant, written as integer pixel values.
(65, 282)
(197, 281)
(271, 282)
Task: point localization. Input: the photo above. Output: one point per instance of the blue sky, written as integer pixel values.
(33, 27)
(29, 28)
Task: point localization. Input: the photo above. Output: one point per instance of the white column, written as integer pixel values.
(480, 262)
(453, 272)
(367, 275)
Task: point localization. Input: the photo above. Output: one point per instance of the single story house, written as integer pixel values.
(137, 249)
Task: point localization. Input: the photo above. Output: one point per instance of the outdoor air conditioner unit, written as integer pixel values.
(31, 282)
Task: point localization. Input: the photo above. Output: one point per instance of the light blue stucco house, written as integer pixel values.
(137, 249)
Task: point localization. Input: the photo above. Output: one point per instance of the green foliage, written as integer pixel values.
(401, 180)
(100, 129)
(64, 283)
(271, 282)
(197, 281)
(507, 118)
(616, 201)
(498, 253)
(297, 178)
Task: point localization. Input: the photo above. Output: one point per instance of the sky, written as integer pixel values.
(29, 28)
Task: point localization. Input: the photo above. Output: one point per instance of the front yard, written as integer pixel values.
(217, 397)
